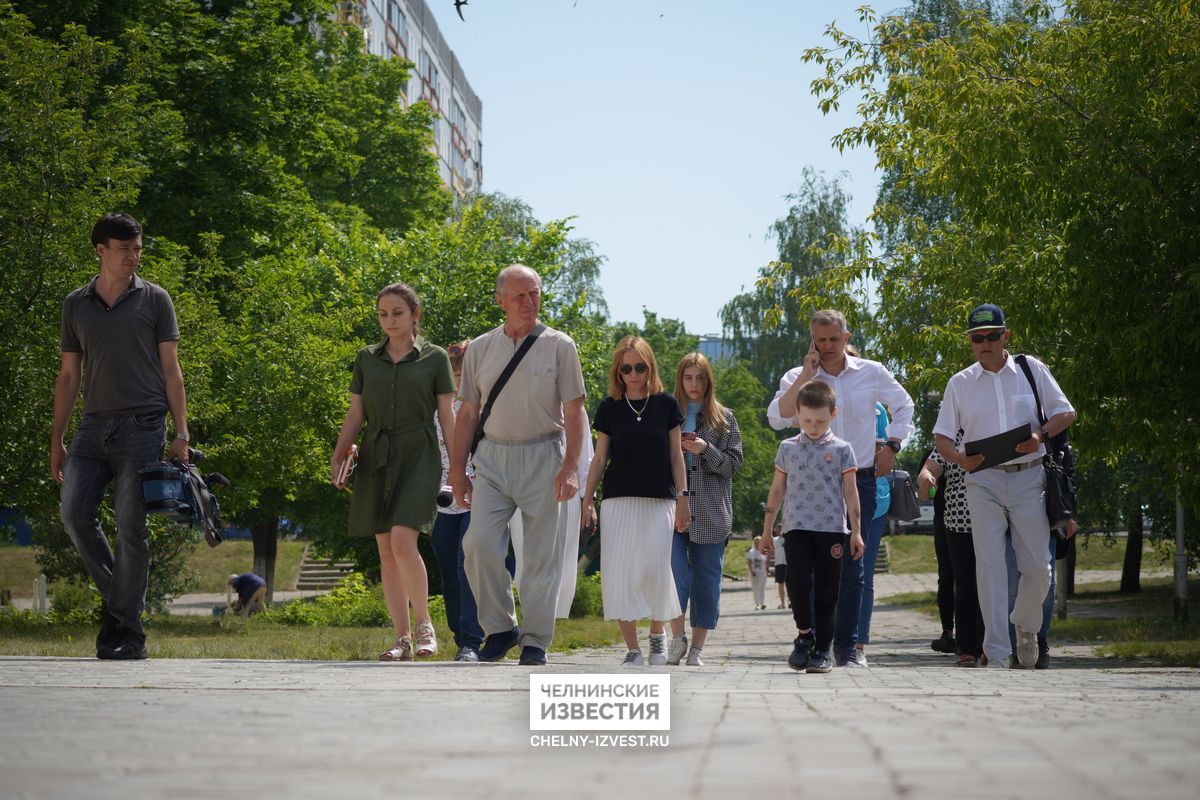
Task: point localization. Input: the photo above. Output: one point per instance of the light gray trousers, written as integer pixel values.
(511, 477)
(1012, 501)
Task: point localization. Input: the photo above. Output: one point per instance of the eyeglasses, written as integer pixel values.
(980, 338)
(455, 350)
(628, 368)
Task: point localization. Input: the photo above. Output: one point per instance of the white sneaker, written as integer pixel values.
(694, 658)
(677, 650)
(1027, 648)
(634, 659)
(1001, 664)
(658, 649)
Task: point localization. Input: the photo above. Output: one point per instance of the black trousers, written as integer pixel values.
(946, 577)
(969, 633)
(814, 560)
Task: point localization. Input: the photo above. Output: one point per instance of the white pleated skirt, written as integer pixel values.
(635, 558)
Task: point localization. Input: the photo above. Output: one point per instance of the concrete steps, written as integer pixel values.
(317, 574)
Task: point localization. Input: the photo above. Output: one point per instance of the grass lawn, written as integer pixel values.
(213, 566)
(913, 552)
(236, 638)
(1129, 626)
(735, 558)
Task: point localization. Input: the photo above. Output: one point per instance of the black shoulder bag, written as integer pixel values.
(509, 369)
(1059, 464)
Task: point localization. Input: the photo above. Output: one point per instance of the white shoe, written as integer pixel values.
(694, 658)
(1001, 664)
(634, 659)
(1027, 648)
(677, 650)
(658, 649)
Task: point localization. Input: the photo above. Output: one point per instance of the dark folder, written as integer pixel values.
(1000, 448)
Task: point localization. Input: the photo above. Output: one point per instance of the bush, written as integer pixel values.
(588, 601)
(353, 604)
(74, 597)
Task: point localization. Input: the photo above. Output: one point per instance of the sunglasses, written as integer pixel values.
(628, 368)
(455, 350)
(980, 338)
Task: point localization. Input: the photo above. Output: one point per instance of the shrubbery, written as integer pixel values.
(353, 604)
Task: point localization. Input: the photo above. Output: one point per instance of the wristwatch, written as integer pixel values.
(1045, 434)
(183, 436)
(895, 446)
(684, 493)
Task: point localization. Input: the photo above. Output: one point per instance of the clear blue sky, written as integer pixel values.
(671, 130)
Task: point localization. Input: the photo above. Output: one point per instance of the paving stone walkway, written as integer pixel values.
(911, 726)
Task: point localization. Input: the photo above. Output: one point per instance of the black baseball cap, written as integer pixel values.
(985, 317)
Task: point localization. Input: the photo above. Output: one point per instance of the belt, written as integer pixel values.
(865, 472)
(1019, 467)
(545, 437)
(381, 440)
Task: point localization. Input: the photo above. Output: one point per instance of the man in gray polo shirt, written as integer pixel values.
(524, 462)
(120, 340)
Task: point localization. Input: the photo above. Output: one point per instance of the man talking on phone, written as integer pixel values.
(859, 383)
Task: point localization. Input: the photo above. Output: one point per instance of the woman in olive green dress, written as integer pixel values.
(397, 385)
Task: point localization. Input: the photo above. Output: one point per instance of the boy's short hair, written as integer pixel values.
(115, 225)
(817, 394)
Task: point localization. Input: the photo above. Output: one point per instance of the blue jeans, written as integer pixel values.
(850, 596)
(873, 538)
(1010, 559)
(462, 617)
(697, 571)
(105, 448)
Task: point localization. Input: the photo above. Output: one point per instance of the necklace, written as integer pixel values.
(637, 413)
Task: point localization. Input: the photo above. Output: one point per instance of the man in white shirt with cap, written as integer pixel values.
(990, 397)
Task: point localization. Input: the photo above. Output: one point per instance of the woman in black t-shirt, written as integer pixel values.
(645, 498)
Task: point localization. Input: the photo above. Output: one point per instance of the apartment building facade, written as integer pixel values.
(407, 29)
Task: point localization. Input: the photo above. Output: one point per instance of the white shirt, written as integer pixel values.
(984, 403)
(859, 386)
(780, 556)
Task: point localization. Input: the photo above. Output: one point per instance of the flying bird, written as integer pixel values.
(458, 4)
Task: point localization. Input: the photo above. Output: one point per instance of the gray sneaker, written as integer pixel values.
(658, 649)
(677, 650)
(1027, 648)
(468, 654)
(634, 659)
(856, 660)
(694, 658)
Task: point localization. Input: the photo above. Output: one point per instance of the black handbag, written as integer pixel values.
(903, 506)
(1059, 463)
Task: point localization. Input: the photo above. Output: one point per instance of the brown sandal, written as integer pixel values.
(402, 650)
(426, 641)
(967, 660)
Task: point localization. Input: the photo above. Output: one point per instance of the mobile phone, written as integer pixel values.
(689, 435)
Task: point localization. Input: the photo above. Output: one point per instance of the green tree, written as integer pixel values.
(768, 326)
(1065, 138)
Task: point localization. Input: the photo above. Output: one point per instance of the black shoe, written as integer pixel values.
(803, 648)
(125, 651)
(496, 646)
(1043, 659)
(533, 657)
(945, 644)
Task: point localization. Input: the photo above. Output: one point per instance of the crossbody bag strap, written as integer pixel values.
(509, 369)
(1029, 377)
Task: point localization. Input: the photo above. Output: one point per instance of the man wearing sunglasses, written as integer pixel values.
(990, 397)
